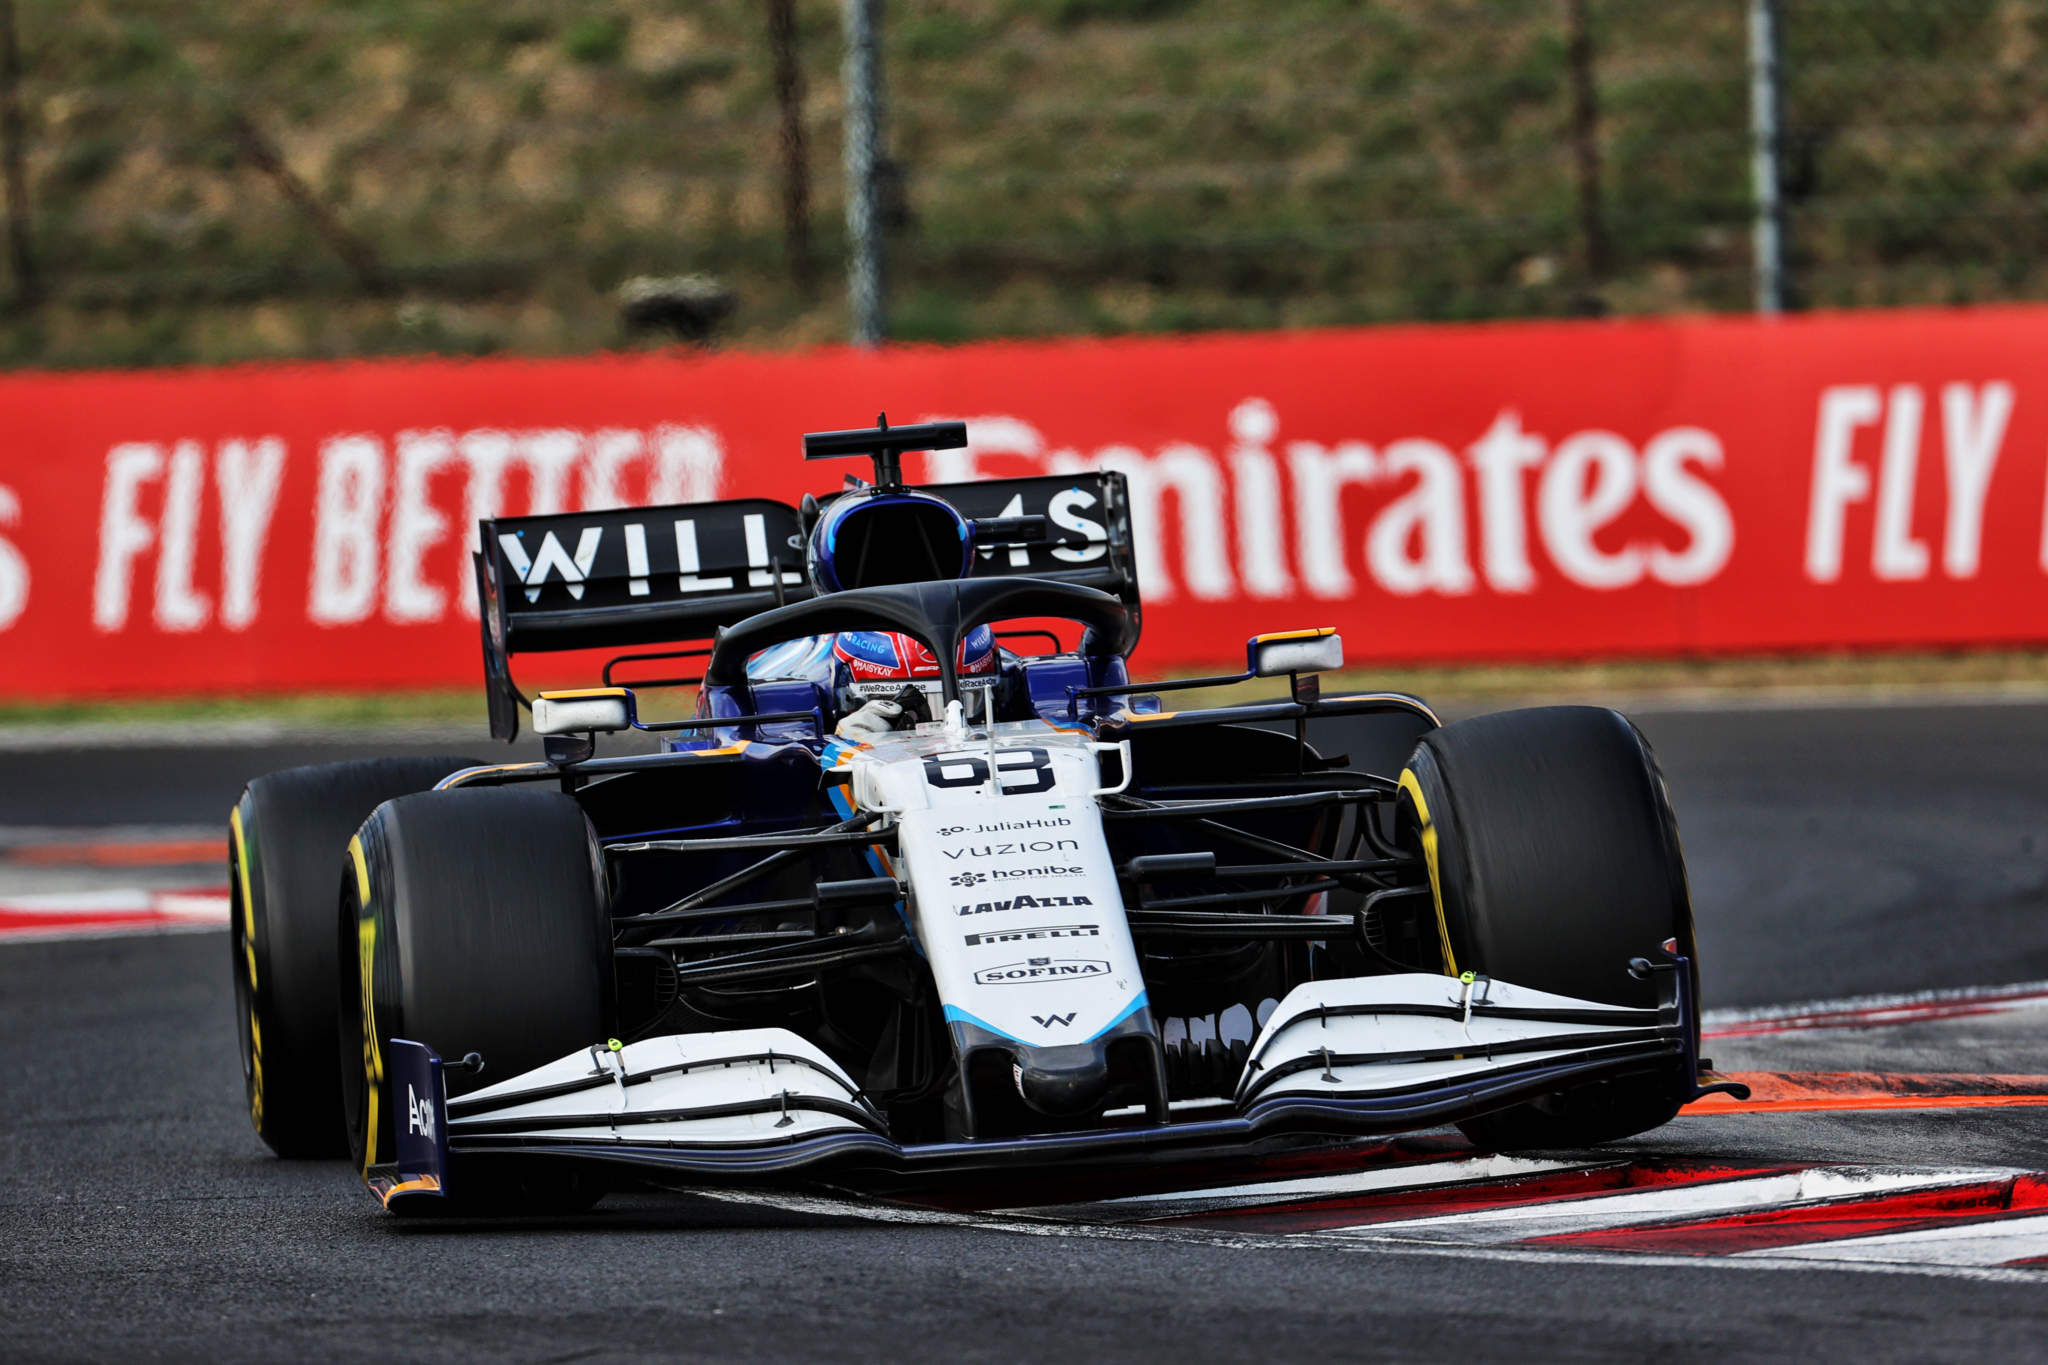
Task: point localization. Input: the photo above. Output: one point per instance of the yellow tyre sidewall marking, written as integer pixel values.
(1413, 786)
(249, 959)
(373, 1048)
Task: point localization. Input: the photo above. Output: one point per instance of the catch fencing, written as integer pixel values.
(206, 182)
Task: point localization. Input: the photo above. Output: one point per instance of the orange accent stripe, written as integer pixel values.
(425, 1182)
(115, 853)
(1777, 1092)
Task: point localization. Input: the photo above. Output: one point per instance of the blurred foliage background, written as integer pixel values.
(281, 178)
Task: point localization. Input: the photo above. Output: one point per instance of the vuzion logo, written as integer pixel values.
(1010, 850)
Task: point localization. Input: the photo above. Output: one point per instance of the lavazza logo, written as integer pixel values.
(1046, 931)
(1012, 850)
(1010, 826)
(1007, 874)
(1040, 969)
(1022, 903)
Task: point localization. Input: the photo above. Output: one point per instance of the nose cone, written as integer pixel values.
(1061, 1082)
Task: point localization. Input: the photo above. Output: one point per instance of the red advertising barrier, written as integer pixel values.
(1474, 492)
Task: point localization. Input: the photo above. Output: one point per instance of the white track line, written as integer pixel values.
(1419, 1175)
(1494, 1227)
(143, 912)
(1872, 1010)
(1775, 1260)
(123, 901)
(1973, 1244)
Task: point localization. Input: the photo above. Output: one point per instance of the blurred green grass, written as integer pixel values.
(1069, 166)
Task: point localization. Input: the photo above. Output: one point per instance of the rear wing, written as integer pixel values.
(1088, 531)
(657, 575)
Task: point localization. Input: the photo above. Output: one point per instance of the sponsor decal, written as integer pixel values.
(859, 666)
(1009, 826)
(1040, 969)
(419, 1113)
(1005, 874)
(1043, 931)
(1048, 1020)
(1022, 902)
(1594, 500)
(1012, 850)
(868, 651)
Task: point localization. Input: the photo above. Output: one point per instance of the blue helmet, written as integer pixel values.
(869, 537)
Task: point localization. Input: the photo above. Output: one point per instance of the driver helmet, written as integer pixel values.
(880, 663)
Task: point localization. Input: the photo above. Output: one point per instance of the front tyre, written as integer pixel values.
(284, 836)
(1554, 857)
(472, 920)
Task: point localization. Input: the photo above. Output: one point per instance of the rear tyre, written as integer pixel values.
(283, 838)
(472, 920)
(1556, 860)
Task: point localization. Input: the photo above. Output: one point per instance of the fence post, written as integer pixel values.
(28, 282)
(1586, 139)
(1766, 140)
(863, 81)
(796, 172)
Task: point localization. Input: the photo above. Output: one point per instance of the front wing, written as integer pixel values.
(1357, 1056)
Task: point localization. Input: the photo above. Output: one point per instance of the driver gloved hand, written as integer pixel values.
(875, 719)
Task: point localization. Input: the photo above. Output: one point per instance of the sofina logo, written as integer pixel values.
(1040, 969)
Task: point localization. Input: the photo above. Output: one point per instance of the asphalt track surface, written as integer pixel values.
(1833, 852)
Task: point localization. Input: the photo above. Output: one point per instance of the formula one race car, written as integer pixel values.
(904, 893)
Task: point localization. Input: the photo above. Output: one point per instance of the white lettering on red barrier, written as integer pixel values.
(1490, 492)
(1416, 543)
(1973, 427)
(13, 568)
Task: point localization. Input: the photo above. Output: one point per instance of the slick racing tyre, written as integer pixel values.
(1555, 858)
(472, 920)
(284, 838)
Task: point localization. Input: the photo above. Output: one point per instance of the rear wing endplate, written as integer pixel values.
(654, 575)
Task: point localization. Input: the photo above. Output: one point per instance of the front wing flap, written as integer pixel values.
(1360, 1056)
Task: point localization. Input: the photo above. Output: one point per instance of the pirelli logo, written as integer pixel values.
(1044, 932)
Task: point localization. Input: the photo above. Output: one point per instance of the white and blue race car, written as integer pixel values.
(928, 882)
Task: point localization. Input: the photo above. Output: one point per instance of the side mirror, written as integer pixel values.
(582, 711)
(1008, 531)
(1285, 651)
